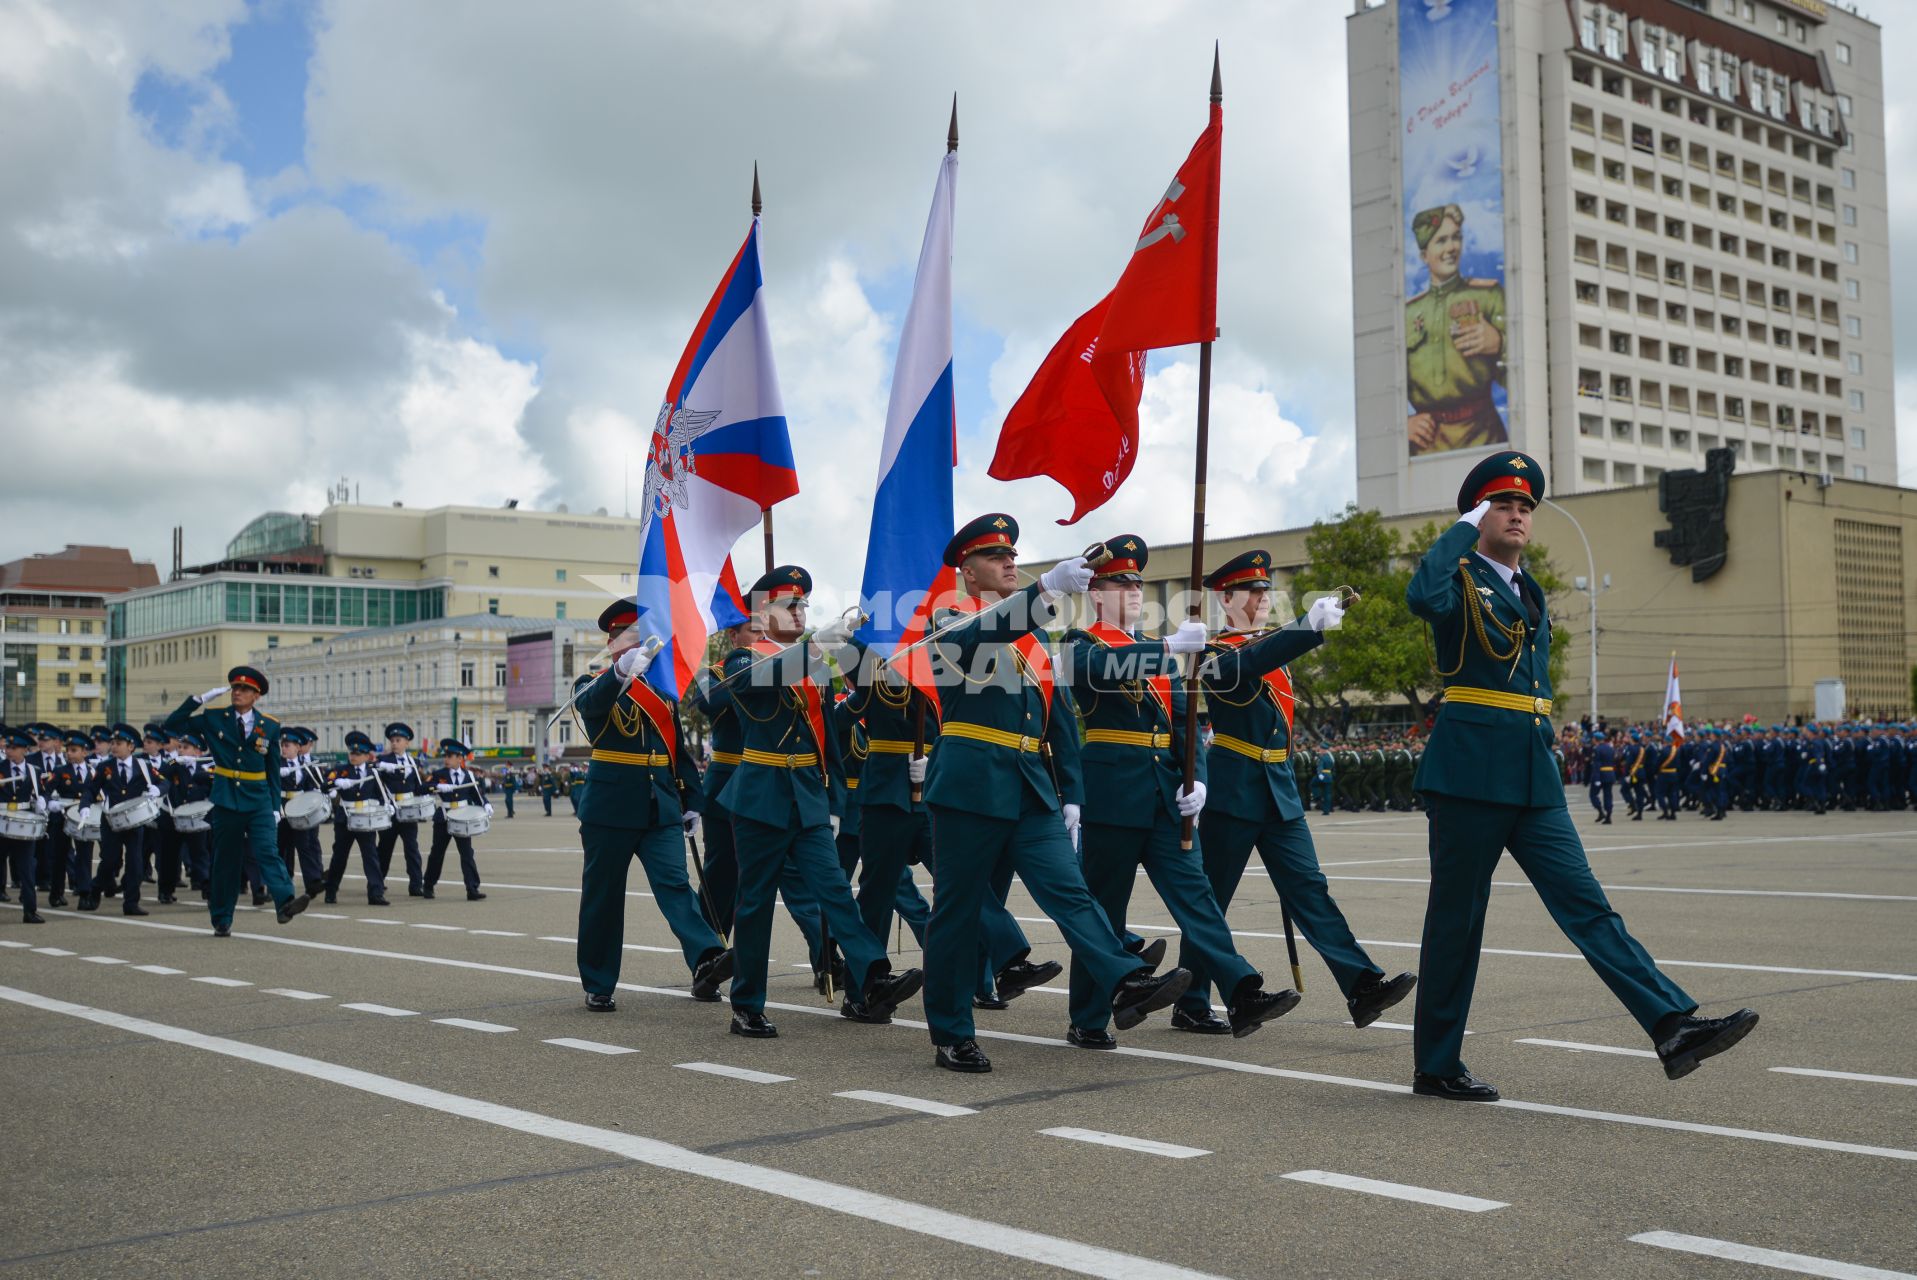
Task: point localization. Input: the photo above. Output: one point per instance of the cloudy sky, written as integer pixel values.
(451, 253)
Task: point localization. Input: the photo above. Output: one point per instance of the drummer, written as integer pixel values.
(403, 781)
(357, 781)
(192, 782)
(73, 858)
(22, 791)
(120, 780)
(312, 865)
(456, 783)
(297, 776)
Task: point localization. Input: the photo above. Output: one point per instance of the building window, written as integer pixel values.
(1848, 179)
(1852, 289)
(1856, 437)
(63, 652)
(559, 610)
(86, 626)
(1860, 473)
(1854, 362)
(499, 675)
(466, 675)
(65, 626)
(492, 571)
(64, 680)
(499, 733)
(1853, 327)
(1843, 104)
(559, 575)
(1843, 53)
(466, 731)
(1613, 43)
(565, 733)
(64, 704)
(492, 605)
(1850, 251)
(1855, 400)
(272, 642)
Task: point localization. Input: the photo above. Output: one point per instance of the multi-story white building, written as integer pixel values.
(1668, 232)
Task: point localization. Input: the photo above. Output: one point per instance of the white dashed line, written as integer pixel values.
(292, 994)
(449, 928)
(557, 938)
(103, 959)
(638, 946)
(899, 1100)
(326, 915)
(1579, 1047)
(1396, 1191)
(1144, 1145)
(378, 920)
(224, 982)
(470, 1025)
(1394, 1026)
(1844, 1075)
(590, 1046)
(1803, 1264)
(25, 946)
(50, 951)
(384, 1010)
(160, 969)
(734, 1073)
(495, 933)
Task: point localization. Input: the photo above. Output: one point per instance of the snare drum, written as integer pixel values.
(137, 812)
(368, 815)
(87, 832)
(196, 816)
(467, 820)
(415, 808)
(20, 822)
(307, 809)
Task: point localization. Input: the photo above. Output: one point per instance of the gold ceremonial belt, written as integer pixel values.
(643, 759)
(1496, 698)
(807, 760)
(997, 737)
(1128, 737)
(851, 784)
(239, 775)
(1238, 746)
(727, 757)
(894, 747)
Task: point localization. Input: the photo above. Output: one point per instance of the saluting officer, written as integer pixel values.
(1254, 798)
(357, 780)
(641, 800)
(996, 806)
(455, 783)
(781, 808)
(1136, 799)
(1490, 784)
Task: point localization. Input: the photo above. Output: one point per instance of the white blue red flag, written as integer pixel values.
(905, 571)
(720, 456)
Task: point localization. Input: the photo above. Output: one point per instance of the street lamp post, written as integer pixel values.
(454, 731)
(1589, 586)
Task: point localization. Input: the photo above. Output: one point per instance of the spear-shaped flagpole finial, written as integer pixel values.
(951, 133)
(1217, 81)
(757, 204)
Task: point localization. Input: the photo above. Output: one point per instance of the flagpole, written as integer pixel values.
(1197, 585)
(765, 513)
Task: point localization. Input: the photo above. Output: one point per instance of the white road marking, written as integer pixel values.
(384, 1010)
(449, 928)
(470, 1025)
(557, 938)
(590, 1046)
(160, 969)
(293, 994)
(326, 915)
(1050, 1042)
(899, 1100)
(1662, 888)
(1396, 1026)
(1802, 1263)
(634, 946)
(1146, 1146)
(224, 982)
(1397, 1191)
(1844, 1075)
(25, 946)
(377, 920)
(495, 933)
(1579, 1047)
(55, 951)
(735, 1073)
(103, 959)
(814, 1193)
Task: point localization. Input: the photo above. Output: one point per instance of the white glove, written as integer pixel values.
(55, 805)
(1325, 612)
(915, 767)
(279, 816)
(86, 814)
(833, 634)
(1189, 803)
(691, 822)
(633, 662)
(211, 694)
(390, 766)
(489, 809)
(153, 791)
(39, 804)
(1069, 812)
(1475, 516)
(1067, 577)
(1189, 638)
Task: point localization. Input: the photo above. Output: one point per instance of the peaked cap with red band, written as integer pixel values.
(1504, 474)
(786, 580)
(619, 615)
(1130, 555)
(993, 531)
(1249, 569)
(248, 676)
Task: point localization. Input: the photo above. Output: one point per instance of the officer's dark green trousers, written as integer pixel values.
(602, 899)
(1467, 838)
(763, 852)
(973, 851)
(1112, 858)
(1292, 862)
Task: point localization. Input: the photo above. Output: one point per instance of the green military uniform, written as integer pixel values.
(246, 797)
(1348, 780)
(1326, 779)
(641, 782)
(1490, 782)
(1454, 388)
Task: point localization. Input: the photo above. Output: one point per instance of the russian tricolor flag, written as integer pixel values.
(720, 456)
(905, 572)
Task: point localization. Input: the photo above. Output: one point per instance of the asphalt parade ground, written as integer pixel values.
(419, 1090)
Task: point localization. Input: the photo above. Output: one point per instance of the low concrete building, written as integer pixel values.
(53, 631)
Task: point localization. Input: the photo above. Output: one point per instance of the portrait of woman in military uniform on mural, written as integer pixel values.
(1455, 333)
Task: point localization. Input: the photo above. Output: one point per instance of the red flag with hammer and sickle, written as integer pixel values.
(1168, 295)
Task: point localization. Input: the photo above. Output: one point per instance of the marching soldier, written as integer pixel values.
(1326, 780)
(641, 800)
(1813, 764)
(1603, 776)
(781, 807)
(1490, 785)
(1667, 765)
(191, 780)
(850, 794)
(1135, 799)
(72, 857)
(124, 777)
(357, 780)
(996, 806)
(23, 790)
(1254, 800)
(456, 783)
(1632, 766)
(400, 771)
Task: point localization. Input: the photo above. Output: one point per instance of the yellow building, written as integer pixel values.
(289, 580)
(1815, 586)
(53, 632)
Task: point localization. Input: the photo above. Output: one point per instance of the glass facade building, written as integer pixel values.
(230, 601)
